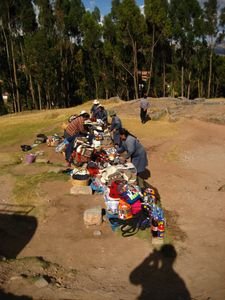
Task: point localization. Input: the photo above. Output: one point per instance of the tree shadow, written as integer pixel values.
(157, 277)
(9, 296)
(16, 229)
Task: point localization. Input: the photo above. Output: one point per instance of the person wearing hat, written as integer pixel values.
(116, 125)
(101, 114)
(75, 128)
(94, 108)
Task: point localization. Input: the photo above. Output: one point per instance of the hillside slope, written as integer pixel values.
(59, 258)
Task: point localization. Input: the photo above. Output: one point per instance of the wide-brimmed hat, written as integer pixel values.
(112, 113)
(95, 101)
(83, 112)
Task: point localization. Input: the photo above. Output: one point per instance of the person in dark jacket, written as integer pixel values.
(101, 114)
(135, 151)
(116, 125)
(94, 108)
(144, 105)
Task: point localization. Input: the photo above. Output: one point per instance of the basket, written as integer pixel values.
(76, 182)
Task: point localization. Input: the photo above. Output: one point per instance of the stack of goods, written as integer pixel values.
(82, 154)
(131, 209)
(54, 140)
(127, 207)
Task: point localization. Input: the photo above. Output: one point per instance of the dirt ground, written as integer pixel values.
(186, 151)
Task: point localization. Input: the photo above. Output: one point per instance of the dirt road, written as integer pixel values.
(187, 163)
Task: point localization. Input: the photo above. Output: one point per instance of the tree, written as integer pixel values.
(131, 28)
(185, 19)
(158, 28)
(92, 44)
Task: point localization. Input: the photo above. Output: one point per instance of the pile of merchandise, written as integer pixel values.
(127, 207)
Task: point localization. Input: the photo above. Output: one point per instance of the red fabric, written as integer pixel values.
(93, 171)
(114, 193)
(136, 207)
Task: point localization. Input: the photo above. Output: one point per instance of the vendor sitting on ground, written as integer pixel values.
(74, 129)
(136, 152)
(94, 108)
(101, 114)
(116, 125)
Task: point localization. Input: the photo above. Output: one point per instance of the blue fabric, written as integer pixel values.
(101, 114)
(116, 125)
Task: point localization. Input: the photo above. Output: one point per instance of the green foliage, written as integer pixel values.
(56, 54)
(26, 187)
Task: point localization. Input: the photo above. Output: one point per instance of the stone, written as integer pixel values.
(41, 282)
(97, 233)
(81, 190)
(93, 216)
(42, 160)
(222, 188)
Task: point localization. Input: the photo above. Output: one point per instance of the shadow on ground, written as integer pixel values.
(16, 229)
(9, 296)
(158, 279)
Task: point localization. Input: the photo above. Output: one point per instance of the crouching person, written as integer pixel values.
(74, 129)
(136, 152)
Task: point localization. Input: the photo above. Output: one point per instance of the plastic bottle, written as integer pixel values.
(161, 229)
(154, 227)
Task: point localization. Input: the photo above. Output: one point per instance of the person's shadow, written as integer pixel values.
(157, 277)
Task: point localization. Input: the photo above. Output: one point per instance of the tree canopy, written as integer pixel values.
(57, 54)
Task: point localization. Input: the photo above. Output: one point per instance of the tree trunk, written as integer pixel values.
(96, 88)
(17, 98)
(182, 81)
(106, 93)
(210, 73)
(164, 78)
(8, 61)
(189, 85)
(39, 96)
(151, 62)
(18, 106)
(135, 69)
(34, 104)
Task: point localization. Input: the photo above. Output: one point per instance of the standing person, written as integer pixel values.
(144, 105)
(101, 114)
(116, 125)
(74, 129)
(94, 108)
(136, 152)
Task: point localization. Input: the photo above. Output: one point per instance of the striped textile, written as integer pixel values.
(76, 126)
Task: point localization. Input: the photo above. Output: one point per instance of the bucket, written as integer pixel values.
(30, 158)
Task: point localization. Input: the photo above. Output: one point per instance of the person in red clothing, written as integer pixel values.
(76, 125)
(74, 129)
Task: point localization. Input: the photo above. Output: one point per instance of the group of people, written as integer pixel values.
(122, 139)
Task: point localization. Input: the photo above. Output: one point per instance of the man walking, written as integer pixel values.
(144, 105)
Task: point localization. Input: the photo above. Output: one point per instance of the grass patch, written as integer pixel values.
(26, 187)
(8, 160)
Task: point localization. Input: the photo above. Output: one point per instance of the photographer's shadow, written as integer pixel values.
(157, 277)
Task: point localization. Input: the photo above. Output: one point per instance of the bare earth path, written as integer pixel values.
(187, 163)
